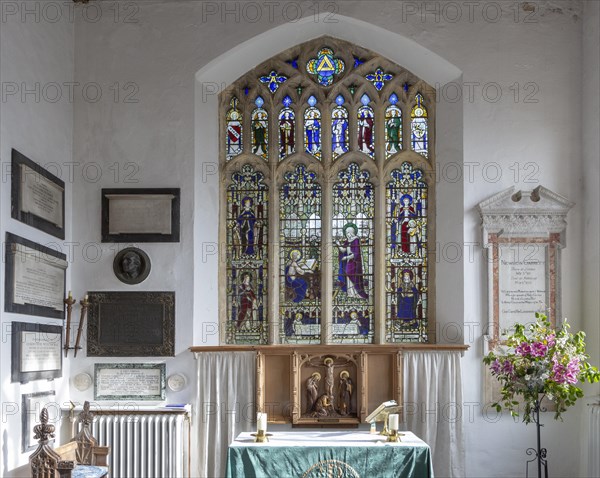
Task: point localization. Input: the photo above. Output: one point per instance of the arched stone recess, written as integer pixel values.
(415, 71)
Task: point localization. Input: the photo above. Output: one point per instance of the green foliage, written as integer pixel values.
(538, 361)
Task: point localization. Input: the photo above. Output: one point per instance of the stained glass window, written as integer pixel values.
(260, 130)
(393, 127)
(324, 106)
(300, 257)
(339, 128)
(353, 238)
(247, 257)
(406, 255)
(312, 129)
(287, 129)
(233, 142)
(366, 127)
(418, 127)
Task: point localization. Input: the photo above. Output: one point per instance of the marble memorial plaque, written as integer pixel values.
(40, 351)
(523, 288)
(140, 214)
(129, 382)
(41, 196)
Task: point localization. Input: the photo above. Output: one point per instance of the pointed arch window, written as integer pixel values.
(327, 200)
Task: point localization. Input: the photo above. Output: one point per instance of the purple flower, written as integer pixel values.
(551, 340)
(572, 371)
(523, 349)
(495, 367)
(508, 368)
(538, 349)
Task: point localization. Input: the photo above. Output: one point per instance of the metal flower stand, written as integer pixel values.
(539, 455)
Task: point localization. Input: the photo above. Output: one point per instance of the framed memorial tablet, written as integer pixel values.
(32, 406)
(37, 196)
(131, 324)
(129, 381)
(36, 352)
(35, 278)
(140, 215)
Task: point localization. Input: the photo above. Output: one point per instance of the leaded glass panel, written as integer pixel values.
(353, 238)
(419, 127)
(233, 138)
(339, 129)
(300, 257)
(312, 129)
(393, 128)
(366, 126)
(247, 257)
(260, 130)
(287, 129)
(406, 256)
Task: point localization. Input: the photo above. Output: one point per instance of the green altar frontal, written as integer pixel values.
(328, 453)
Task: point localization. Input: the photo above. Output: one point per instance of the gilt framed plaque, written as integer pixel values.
(36, 352)
(35, 278)
(37, 196)
(129, 381)
(131, 324)
(140, 215)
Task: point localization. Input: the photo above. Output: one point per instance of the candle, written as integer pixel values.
(70, 295)
(393, 421)
(86, 297)
(261, 421)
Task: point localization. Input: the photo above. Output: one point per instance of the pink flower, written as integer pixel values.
(496, 367)
(508, 368)
(551, 340)
(523, 349)
(538, 349)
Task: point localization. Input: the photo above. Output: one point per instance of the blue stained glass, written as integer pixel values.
(272, 80)
(246, 90)
(293, 62)
(325, 66)
(339, 100)
(312, 101)
(378, 78)
(357, 62)
(259, 102)
(393, 98)
(287, 101)
(365, 100)
(406, 86)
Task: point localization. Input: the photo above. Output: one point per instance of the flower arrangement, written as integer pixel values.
(540, 361)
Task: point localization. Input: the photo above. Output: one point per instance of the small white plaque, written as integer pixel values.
(140, 213)
(129, 382)
(40, 351)
(41, 197)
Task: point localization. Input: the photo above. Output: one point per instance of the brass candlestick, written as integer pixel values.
(393, 436)
(261, 437)
(84, 306)
(69, 301)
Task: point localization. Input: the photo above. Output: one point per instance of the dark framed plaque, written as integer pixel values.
(37, 196)
(35, 278)
(129, 381)
(131, 324)
(140, 215)
(36, 352)
(32, 404)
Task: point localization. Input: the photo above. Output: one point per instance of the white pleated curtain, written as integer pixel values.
(432, 402)
(226, 385)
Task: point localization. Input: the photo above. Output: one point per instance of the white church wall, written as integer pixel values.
(36, 72)
(517, 122)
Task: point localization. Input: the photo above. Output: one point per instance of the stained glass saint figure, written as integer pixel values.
(366, 123)
(418, 127)
(393, 127)
(312, 129)
(339, 129)
(233, 118)
(287, 129)
(260, 130)
(407, 298)
(351, 278)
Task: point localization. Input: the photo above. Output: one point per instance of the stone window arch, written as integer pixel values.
(327, 163)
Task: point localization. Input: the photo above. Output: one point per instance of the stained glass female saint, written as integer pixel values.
(404, 223)
(407, 298)
(246, 222)
(260, 130)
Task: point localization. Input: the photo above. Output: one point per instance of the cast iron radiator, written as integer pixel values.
(148, 444)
